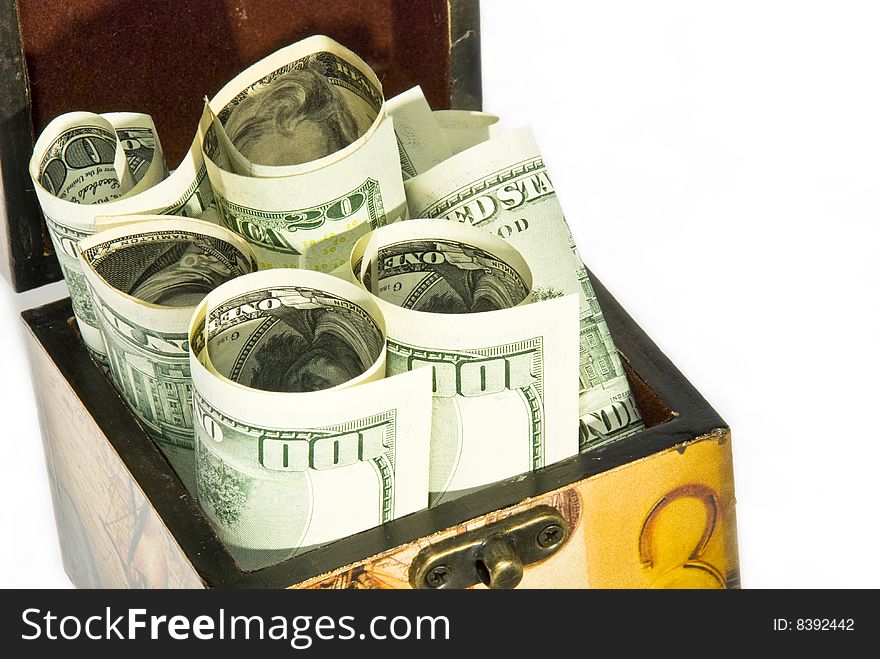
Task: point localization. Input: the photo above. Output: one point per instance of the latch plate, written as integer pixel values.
(494, 555)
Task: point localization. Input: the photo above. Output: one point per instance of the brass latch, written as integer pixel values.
(493, 554)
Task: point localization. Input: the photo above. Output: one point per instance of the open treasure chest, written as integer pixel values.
(638, 493)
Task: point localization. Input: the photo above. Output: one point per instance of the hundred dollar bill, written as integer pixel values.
(466, 128)
(300, 439)
(301, 155)
(88, 169)
(504, 371)
(420, 140)
(146, 279)
(502, 186)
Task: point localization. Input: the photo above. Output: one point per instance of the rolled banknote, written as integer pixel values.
(87, 166)
(457, 303)
(146, 279)
(301, 155)
(137, 137)
(502, 186)
(466, 128)
(300, 439)
(420, 140)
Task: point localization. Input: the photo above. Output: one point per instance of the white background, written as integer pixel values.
(719, 164)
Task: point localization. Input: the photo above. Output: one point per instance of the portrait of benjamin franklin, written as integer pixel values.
(315, 348)
(470, 291)
(296, 118)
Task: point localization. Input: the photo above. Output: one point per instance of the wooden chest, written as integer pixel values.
(656, 510)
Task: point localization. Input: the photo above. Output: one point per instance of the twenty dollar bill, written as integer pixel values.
(302, 156)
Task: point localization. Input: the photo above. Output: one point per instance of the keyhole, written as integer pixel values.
(483, 572)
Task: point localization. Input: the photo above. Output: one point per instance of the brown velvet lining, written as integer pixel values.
(654, 410)
(163, 57)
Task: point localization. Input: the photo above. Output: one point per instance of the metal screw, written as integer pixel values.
(437, 576)
(550, 535)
